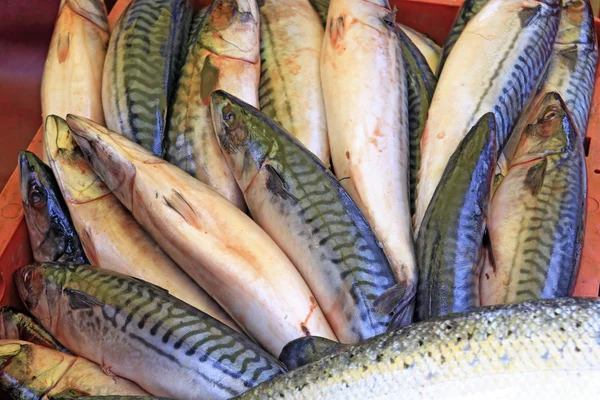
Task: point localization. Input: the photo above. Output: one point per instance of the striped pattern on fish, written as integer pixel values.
(504, 48)
(121, 322)
(428, 48)
(141, 67)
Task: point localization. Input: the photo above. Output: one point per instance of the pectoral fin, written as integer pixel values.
(306, 350)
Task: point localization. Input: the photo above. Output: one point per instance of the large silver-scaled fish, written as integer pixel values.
(18, 326)
(139, 331)
(144, 56)
(72, 80)
(571, 71)
(540, 350)
(32, 372)
(297, 201)
(430, 50)
(51, 232)
(111, 237)
(537, 213)
(290, 83)
(420, 87)
(449, 245)
(223, 53)
(218, 245)
(467, 11)
(494, 67)
(364, 86)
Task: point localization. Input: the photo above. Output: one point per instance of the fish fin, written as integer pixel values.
(534, 180)
(276, 184)
(306, 350)
(397, 301)
(79, 300)
(570, 56)
(152, 285)
(487, 244)
(180, 205)
(389, 300)
(529, 14)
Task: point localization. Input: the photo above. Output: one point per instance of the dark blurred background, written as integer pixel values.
(25, 31)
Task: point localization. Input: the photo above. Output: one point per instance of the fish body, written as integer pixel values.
(218, 245)
(539, 350)
(18, 326)
(72, 79)
(144, 54)
(290, 84)
(467, 11)
(297, 201)
(32, 372)
(321, 7)
(537, 213)
(223, 53)
(449, 245)
(364, 87)
(430, 49)
(494, 67)
(51, 232)
(111, 237)
(420, 87)
(124, 323)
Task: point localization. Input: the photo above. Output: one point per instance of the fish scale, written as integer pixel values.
(293, 196)
(115, 315)
(144, 54)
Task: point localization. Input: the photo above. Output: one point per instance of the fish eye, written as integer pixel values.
(27, 277)
(575, 5)
(550, 114)
(36, 198)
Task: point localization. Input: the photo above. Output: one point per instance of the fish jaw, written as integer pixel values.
(109, 162)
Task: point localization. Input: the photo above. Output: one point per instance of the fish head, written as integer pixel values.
(231, 28)
(40, 286)
(9, 350)
(244, 143)
(550, 130)
(576, 23)
(43, 208)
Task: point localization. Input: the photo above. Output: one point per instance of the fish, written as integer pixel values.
(218, 245)
(449, 245)
(18, 326)
(304, 209)
(546, 349)
(430, 49)
(123, 323)
(537, 216)
(121, 398)
(307, 350)
(321, 7)
(494, 67)
(420, 88)
(290, 90)
(51, 232)
(109, 234)
(30, 371)
(365, 92)
(144, 55)
(571, 70)
(223, 53)
(72, 77)
(468, 10)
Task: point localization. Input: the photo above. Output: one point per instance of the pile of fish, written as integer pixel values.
(305, 199)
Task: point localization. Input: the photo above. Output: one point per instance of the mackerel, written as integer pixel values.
(449, 245)
(297, 201)
(494, 67)
(139, 331)
(537, 213)
(420, 87)
(223, 53)
(144, 54)
(218, 245)
(72, 79)
(364, 86)
(430, 49)
(290, 90)
(51, 232)
(538, 350)
(18, 326)
(321, 7)
(111, 237)
(467, 11)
